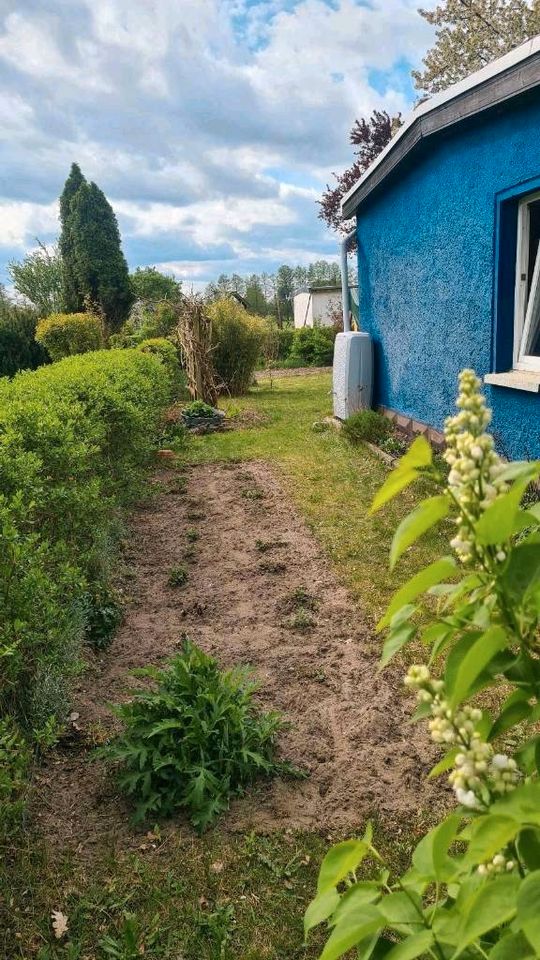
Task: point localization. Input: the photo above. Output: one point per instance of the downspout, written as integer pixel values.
(345, 280)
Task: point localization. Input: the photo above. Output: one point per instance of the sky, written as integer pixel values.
(211, 125)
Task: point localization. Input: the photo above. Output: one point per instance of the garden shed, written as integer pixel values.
(448, 230)
(317, 306)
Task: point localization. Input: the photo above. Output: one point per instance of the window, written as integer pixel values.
(527, 296)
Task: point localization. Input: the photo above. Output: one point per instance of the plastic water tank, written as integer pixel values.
(353, 373)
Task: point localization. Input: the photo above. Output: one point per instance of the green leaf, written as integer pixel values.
(493, 904)
(418, 457)
(528, 846)
(445, 764)
(401, 910)
(354, 928)
(489, 835)
(412, 947)
(395, 641)
(496, 525)
(421, 519)
(523, 569)
(430, 858)
(341, 860)
(353, 900)
(320, 908)
(514, 946)
(523, 803)
(528, 909)
(514, 710)
(417, 585)
(474, 661)
(520, 468)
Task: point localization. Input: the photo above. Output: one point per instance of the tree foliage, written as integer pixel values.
(472, 33)
(95, 270)
(39, 278)
(370, 136)
(73, 300)
(18, 348)
(148, 283)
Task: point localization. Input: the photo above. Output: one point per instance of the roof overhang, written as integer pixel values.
(513, 74)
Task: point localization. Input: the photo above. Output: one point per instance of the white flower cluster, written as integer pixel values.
(478, 771)
(474, 465)
(499, 864)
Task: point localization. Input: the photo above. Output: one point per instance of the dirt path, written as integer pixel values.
(243, 602)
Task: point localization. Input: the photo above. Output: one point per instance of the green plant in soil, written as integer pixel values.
(301, 619)
(472, 889)
(263, 546)
(193, 741)
(252, 493)
(272, 566)
(178, 576)
(367, 425)
(198, 408)
(192, 535)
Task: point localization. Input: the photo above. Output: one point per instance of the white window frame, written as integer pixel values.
(523, 312)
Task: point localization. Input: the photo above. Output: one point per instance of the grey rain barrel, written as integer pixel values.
(353, 374)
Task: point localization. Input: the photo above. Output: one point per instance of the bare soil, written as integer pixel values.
(349, 725)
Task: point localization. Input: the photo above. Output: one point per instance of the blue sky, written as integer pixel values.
(212, 125)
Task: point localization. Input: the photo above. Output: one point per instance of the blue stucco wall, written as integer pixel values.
(436, 255)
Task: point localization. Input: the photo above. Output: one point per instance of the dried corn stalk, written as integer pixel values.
(195, 340)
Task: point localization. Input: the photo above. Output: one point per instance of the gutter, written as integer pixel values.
(345, 280)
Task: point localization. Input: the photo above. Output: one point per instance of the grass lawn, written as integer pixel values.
(332, 482)
(226, 895)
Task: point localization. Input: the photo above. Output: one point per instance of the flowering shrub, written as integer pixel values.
(473, 889)
(65, 334)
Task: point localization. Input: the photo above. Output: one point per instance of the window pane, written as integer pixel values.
(534, 238)
(533, 346)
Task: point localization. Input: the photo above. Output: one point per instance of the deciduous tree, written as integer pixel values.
(39, 278)
(472, 33)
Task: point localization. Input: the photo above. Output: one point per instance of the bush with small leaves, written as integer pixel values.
(66, 334)
(238, 339)
(193, 741)
(473, 888)
(366, 425)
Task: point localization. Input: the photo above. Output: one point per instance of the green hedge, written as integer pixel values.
(19, 350)
(305, 347)
(75, 440)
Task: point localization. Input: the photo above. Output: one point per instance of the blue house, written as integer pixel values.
(448, 230)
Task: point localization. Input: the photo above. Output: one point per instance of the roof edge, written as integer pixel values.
(515, 72)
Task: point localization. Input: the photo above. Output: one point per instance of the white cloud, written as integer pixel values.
(209, 123)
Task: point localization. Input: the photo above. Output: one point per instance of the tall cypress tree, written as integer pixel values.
(99, 266)
(72, 298)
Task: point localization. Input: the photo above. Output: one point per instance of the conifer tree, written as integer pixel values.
(100, 269)
(72, 299)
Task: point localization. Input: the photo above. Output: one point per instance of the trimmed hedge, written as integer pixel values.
(67, 334)
(75, 440)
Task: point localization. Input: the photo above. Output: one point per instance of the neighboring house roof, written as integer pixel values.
(510, 75)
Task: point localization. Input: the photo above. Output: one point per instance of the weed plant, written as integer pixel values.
(194, 740)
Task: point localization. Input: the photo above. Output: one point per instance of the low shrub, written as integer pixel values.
(75, 440)
(168, 354)
(238, 339)
(367, 425)
(312, 347)
(19, 349)
(194, 740)
(66, 334)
